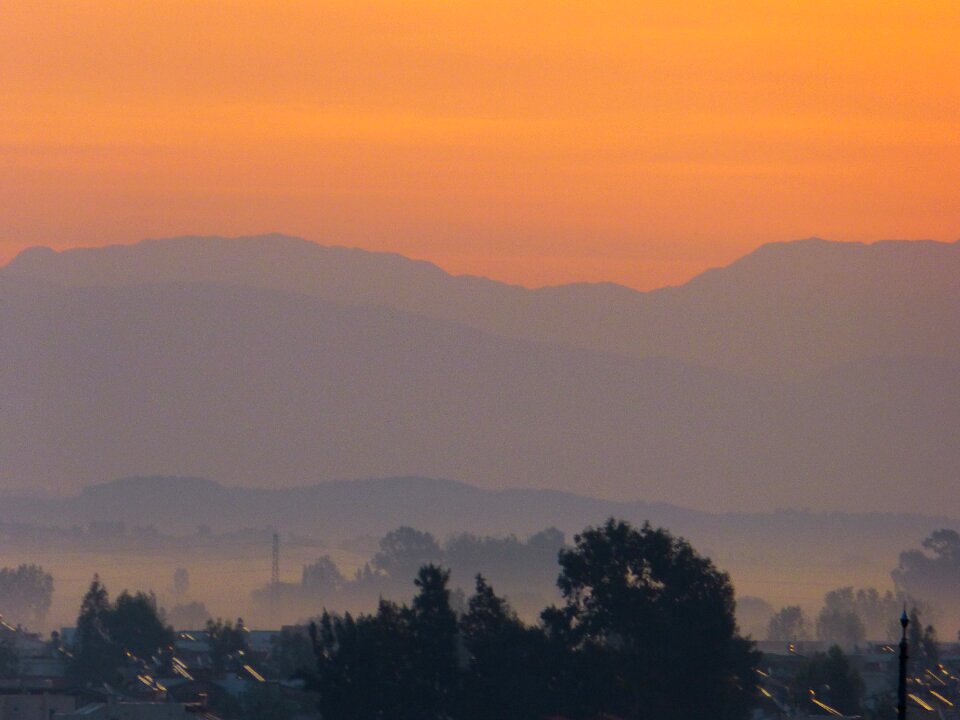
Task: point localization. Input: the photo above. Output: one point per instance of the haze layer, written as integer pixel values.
(808, 374)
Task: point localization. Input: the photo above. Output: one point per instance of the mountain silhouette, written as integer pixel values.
(785, 310)
(137, 360)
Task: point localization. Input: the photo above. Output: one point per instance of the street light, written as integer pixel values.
(902, 685)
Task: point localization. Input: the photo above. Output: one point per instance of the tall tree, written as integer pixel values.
(292, 654)
(839, 621)
(653, 625)
(880, 613)
(322, 576)
(507, 675)
(923, 642)
(434, 630)
(136, 625)
(227, 642)
(933, 573)
(107, 631)
(95, 654)
(830, 678)
(365, 666)
(789, 623)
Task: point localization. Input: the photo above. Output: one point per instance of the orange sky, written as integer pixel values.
(535, 142)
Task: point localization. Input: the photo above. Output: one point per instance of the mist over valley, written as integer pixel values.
(142, 359)
(173, 404)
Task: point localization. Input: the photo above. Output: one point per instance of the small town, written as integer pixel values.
(647, 623)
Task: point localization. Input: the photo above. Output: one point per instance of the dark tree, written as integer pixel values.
(839, 621)
(933, 573)
(336, 646)
(832, 680)
(923, 642)
(789, 623)
(404, 550)
(227, 642)
(645, 615)
(401, 663)
(25, 594)
(292, 654)
(135, 625)
(487, 615)
(95, 655)
(365, 666)
(434, 630)
(107, 631)
(880, 613)
(507, 675)
(323, 576)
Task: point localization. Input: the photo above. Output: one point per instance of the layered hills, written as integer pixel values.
(785, 310)
(808, 374)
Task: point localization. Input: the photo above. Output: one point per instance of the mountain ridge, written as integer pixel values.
(254, 385)
(784, 310)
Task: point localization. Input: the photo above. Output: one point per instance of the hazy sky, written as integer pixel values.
(535, 142)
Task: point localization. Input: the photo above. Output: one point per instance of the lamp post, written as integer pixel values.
(902, 684)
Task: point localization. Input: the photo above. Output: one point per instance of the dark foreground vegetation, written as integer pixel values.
(645, 629)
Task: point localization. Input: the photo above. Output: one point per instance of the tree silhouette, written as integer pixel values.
(323, 576)
(365, 666)
(228, 642)
(789, 623)
(95, 655)
(651, 627)
(434, 631)
(933, 573)
(833, 681)
(135, 625)
(107, 631)
(507, 675)
(839, 622)
(404, 550)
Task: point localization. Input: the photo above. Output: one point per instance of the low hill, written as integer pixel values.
(785, 556)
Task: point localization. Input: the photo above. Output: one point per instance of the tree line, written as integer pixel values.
(645, 628)
(525, 569)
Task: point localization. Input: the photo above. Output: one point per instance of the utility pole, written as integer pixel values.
(275, 577)
(902, 684)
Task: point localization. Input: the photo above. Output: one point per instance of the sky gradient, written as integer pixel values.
(535, 142)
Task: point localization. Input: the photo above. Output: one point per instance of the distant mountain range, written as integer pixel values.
(807, 374)
(784, 310)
